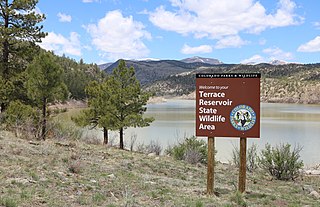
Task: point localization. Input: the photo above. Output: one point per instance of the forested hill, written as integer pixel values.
(290, 83)
(77, 75)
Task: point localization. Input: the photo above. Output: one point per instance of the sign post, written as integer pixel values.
(210, 169)
(243, 166)
(227, 105)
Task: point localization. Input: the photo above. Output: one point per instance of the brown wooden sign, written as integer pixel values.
(228, 105)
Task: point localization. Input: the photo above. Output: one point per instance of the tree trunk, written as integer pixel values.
(44, 119)
(121, 138)
(5, 44)
(4, 65)
(2, 107)
(105, 136)
(5, 60)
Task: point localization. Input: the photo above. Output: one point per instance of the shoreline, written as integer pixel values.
(163, 99)
(70, 104)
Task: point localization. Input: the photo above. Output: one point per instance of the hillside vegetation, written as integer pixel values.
(77, 75)
(72, 173)
(292, 83)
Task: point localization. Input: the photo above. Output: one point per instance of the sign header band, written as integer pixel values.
(228, 75)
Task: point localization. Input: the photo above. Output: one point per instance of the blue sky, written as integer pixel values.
(233, 31)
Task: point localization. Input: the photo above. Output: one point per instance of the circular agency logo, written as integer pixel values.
(242, 117)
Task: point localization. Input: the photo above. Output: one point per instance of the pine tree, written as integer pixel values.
(116, 104)
(128, 99)
(45, 84)
(100, 109)
(19, 30)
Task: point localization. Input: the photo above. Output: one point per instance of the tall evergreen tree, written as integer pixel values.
(100, 109)
(45, 84)
(128, 99)
(19, 30)
(116, 104)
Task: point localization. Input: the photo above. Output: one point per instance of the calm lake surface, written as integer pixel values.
(280, 123)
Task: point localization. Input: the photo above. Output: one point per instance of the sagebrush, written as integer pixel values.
(281, 162)
(191, 149)
(252, 157)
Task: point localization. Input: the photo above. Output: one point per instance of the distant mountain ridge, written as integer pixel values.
(149, 71)
(196, 60)
(104, 66)
(280, 82)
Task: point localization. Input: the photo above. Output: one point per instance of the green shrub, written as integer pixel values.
(98, 198)
(8, 202)
(252, 157)
(22, 119)
(153, 147)
(238, 198)
(61, 131)
(281, 162)
(192, 150)
(199, 204)
(18, 113)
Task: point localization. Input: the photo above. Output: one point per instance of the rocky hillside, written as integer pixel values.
(290, 83)
(287, 83)
(72, 173)
(280, 82)
(149, 71)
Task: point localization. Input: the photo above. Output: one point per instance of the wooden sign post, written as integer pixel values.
(228, 105)
(243, 166)
(210, 169)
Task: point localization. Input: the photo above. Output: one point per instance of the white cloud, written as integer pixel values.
(316, 25)
(254, 59)
(64, 17)
(186, 49)
(62, 45)
(276, 53)
(230, 41)
(119, 37)
(216, 19)
(311, 46)
(270, 54)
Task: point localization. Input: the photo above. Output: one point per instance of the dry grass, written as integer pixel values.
(77, 174)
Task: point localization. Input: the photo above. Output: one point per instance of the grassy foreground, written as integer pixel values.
(71, 173)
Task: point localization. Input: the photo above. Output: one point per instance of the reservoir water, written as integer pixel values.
(295, 124)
